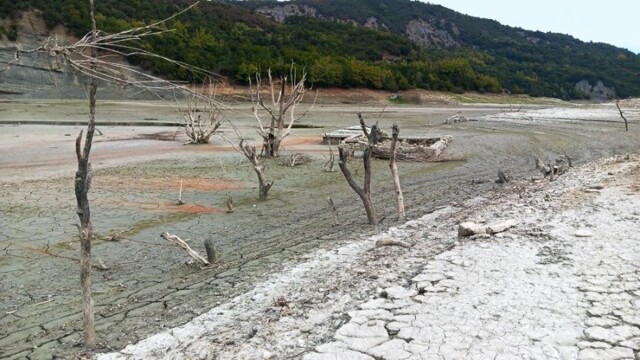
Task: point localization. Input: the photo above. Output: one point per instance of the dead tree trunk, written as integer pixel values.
(334, 209)
(395, 131)
(82, 186)
(278, 109)
(626, 123)
(263, 185)
(363, 192)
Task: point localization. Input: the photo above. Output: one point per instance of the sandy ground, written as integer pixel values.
(151, 285)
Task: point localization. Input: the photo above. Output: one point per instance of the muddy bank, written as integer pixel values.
(149, 284)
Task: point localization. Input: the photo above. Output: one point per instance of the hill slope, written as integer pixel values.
(395, 45)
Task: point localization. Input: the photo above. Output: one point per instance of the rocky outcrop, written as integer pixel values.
(373, 23)
(40, 76)
(426, 34)
(596, 92)
(282, 12)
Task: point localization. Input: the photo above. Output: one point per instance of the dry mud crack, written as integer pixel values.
(148, 286)
(563, 284)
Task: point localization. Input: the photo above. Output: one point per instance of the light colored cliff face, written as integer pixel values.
(420, 31)
(282, 12)
(40, 76)
(424, 33)
(596, 92)
(373, 23)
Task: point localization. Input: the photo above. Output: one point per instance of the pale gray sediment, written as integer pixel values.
(148, 287)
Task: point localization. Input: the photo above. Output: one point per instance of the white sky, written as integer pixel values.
(610, 21)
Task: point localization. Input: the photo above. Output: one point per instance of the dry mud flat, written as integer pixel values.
(149, 285)
(563, 284)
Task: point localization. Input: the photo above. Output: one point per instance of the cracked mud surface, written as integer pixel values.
(486, 297)
(149, 286)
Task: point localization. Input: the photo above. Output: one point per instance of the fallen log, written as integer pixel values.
(176, 240)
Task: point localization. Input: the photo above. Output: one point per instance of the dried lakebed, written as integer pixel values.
(149, 285)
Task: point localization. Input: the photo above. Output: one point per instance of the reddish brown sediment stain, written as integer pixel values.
(189, 209)
(302, 140)
(165, 206)
(167, 183)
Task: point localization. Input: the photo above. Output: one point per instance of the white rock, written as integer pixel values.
(391, 350)
(501, 226)
(583, 233)
(604, 354)
(470, 228)
(398, 292)
(430, 277)
(370, 329)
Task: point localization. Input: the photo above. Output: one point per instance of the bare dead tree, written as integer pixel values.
(82, 186)
(98, 55)
(281, 105)
(263, 185)
(626, 123)
(202, 117)
(363, 192)
(395, 131)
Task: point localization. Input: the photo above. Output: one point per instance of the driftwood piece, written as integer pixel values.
(440, 145)
(471, 228)
(176, 240)
(392, 242)
(212, 253)
(295, 159)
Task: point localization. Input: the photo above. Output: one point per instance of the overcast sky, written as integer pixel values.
(610, 21)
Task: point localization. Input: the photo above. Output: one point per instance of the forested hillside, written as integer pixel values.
(355, 43)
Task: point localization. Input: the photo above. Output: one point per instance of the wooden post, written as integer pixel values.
(395, 131)
(212, 254)
(334, 209)
(180, 194)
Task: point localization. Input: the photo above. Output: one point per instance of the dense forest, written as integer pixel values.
(232, 39)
